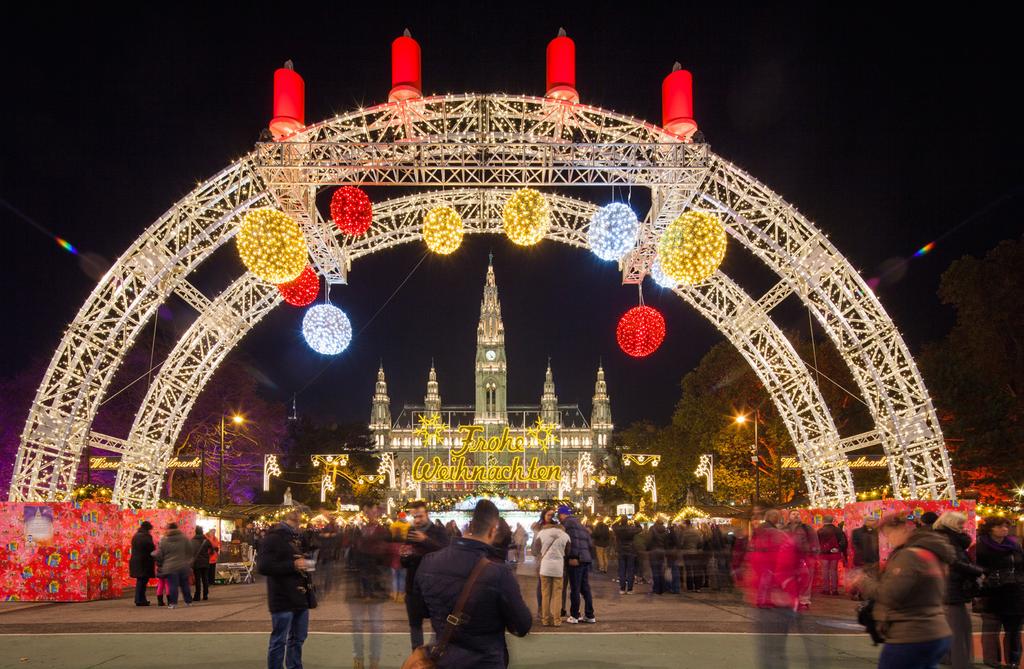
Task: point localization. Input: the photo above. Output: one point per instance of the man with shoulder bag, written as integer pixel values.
(472, 599)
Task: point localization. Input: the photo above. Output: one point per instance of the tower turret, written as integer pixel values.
(432, 402)
(380, 412)
(601, 414)
(549, 401)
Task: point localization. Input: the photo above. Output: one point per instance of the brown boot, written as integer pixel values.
(357, 663)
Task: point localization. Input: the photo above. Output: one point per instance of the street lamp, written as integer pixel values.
(741, 419)
(237, 420)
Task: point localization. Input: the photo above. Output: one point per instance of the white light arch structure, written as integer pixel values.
(478, 146)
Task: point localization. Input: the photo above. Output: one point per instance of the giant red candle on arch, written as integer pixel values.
(289, 102)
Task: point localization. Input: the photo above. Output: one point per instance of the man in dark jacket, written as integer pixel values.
(424, 537)
(625, 532)
(280, 559)
(578, 569)
(141, 564)
(495, 604)
(865, 543)
(201, 564)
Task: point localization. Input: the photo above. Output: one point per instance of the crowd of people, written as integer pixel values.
(178, 563)
(918, 599)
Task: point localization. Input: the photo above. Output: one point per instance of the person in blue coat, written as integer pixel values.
(495, 603)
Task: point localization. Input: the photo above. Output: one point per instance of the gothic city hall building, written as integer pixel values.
(545, 450)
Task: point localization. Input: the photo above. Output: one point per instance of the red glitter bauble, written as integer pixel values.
(641, 331)
(302, 290)
(351, 210)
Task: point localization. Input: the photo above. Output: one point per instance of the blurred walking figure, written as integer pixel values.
(658, 541)
(399, 529)
(552, 544)
(493, 602)
(211, 536)
(201, 564)
(775, 566)
(369, 560)
(519, 541)
(1002, 593)
(176, 554)
(625, 532)
(908, 596)
(602, 538)
(141, 564)
(961, 588)
(806, 540)
(832, 544)
(691, 547)
(280, 559)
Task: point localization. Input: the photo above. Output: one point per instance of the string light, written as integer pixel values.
(351, 210)
(641, 331)
(326, 329)
(271, 245)
(613, 231)
(692, 247)
(302, 290)
(443, 230)
(659, 276)
(526, 216)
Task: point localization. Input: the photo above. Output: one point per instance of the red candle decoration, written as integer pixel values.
(289, 102)
(641, 331)
(677, 103)
(351, 210)
(406, 72)
(302, 290)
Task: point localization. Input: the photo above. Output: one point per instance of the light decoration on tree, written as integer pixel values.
(613, 231)
(526, 216)
(351, 210)
(443, 230)
(641, 331)
(659, 276)
(302, 290)
(326, 329)
(692, 247)
(271, 245)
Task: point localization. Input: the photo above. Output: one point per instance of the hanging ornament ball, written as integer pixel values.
(351, 210)
(641, 331)
(271, 245)
(326, 329)
(692, 247)
(526, 217)
(303, 290)
(613, 231)
(659, 276)
(443, 230)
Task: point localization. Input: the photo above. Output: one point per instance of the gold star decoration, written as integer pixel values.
(544, 433)
(431, 430)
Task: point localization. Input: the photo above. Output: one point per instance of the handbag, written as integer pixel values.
(866, 617)
(426, 657)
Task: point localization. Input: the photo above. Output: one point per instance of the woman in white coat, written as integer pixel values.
(550, 545)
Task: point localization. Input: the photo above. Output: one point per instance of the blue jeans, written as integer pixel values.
(627, 572)
(179, 579)
(676, 584)
(579, 583)
(922, 655)
(288, 633)
(366, 619)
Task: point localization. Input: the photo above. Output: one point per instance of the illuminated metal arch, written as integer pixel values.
(194, 360)
(473, 141)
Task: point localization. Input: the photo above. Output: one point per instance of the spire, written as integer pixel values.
(491, 328)
(549, 401)
(432, 402)
(380, 412)
(601, 412)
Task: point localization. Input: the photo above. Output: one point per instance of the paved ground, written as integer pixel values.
(692, 630)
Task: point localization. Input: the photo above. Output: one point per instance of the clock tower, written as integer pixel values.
(491, 367)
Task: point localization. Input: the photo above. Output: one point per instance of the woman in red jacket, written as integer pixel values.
(214, 551)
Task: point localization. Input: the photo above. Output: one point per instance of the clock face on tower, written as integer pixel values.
(491, 354)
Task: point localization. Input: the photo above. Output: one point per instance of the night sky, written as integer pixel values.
(886, 130)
